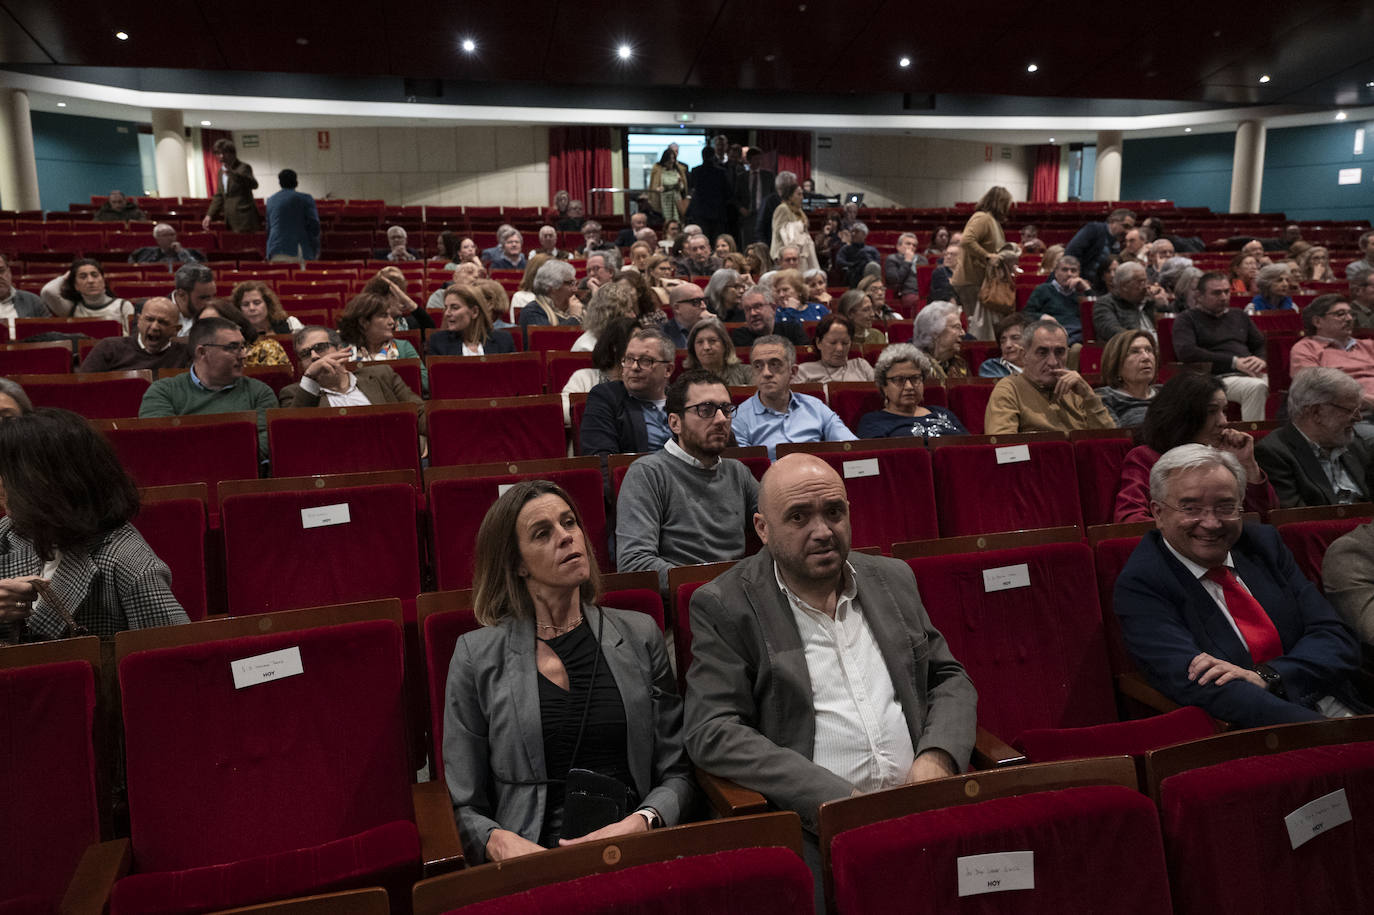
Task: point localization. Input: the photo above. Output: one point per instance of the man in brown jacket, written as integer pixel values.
(1047, 396)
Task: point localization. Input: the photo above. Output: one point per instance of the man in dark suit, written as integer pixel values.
(757, 185)
(1316, 459)
(293, 222)
(1216, 613)
(1096, 242)
(711, 194)
(816, 673)
(627, 416)
(233, 198)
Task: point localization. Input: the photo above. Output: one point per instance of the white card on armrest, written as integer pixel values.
(502, 489)
(864, 468)
(261, 668)
(324, 515)
(996, 873)
(1316, 817)
(1013, 454)
(1006, 577)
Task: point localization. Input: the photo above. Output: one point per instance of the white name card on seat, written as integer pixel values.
(1006, 578)
(1316, 817)
(1013, 454)
(996, 873)
(502, 489)
(324, 515)
(262, 668)
(865, 468)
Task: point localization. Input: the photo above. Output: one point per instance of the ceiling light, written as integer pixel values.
(122, 36)
(1187, 130)
(1031, 68)
(625, 51)
(204, 123)
(904, 62)
(61, 104)
(1340, 115)
(469, 45)
(1369, 85)
(1264, 78)
(302, 41)
(1051, 139)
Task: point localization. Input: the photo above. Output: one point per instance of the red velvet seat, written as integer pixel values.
(50, 813)
(36, 358)
(852, 399)
(505, 375)
(683, 582)
(91, 327)
(1309, 531)
(315, 440)
(495, 429)
(171, 450)
(1098, 455)
(559, 366)
(968, 400)
(97, 395)
(174, 521)
(976, 493)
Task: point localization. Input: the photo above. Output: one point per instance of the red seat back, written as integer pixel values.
(314, 440)
(35, 358)
(1309, 539)
(498, 429)
(852, 399)
(975, 494)
(186, 449)
(97, 395)
(1098, 462)
(506, 375)
(969, 402)
(175, 530)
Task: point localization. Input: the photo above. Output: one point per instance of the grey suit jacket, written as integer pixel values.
(1348, 578)
(749, 710)
(378, 382)
(28, 305)
(494, 741)
(1286, 458)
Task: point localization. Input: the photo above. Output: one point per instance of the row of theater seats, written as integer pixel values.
(265, 757)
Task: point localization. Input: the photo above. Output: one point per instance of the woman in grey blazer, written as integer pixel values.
(553, 683)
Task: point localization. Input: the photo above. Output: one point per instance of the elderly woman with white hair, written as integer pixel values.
(937, 333)
(554, 302)
(1276, 284)
(900, 374)
(723, 293)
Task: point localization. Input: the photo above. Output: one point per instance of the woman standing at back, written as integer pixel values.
(982, 239)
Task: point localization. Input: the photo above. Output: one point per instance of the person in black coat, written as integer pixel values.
(467, 329)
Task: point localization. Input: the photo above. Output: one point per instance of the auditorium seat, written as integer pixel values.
(1098, 455)
(683, 582)
(316, 440)
(163, 451)
(541, 338)
(505, 375)
(95, 395)
(852, 399)
(559, 367)
(174, 521)
(512, 429)
(49, 358)
(1309, 531)
(25, 328)
(1072, 825)
(968, 399)
(51, 759)
(284, 802)
(1004, 482)
(744, 864)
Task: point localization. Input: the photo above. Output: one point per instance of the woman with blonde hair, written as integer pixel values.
(467, 329)
(982, 239)
(497, 302)
(390, 282)
(611, 301)
(790, 225)
(1314, 265)
(757, 259)
(791, 291)
(858, 308)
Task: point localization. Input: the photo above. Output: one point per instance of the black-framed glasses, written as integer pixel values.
(232, 348)
(699, 300)
(902, 381)
(644, 362)
(319, 349)
(707, 409)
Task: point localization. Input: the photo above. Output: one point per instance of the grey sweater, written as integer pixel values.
(670, 513)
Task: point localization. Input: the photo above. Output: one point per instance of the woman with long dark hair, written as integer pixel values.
(83, 292)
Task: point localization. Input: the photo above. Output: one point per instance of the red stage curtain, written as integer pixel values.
(207, 151)
(791, 148)
(579, 160)
(1045, 183)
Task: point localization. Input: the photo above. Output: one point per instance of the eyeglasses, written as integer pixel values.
(319, 349)
(773, 365)
(902, 381)
(1223, 511)
(707, 410)
(231, 348)
(644, 362)
(696, 301)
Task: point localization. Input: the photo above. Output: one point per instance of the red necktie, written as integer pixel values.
(1254, 624)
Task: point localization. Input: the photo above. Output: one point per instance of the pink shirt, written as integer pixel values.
(1356, 358)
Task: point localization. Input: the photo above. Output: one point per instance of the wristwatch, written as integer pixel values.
(651, 817)
(1272, 680)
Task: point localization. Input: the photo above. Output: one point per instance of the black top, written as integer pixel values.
(603, 748)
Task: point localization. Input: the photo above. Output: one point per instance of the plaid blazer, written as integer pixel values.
(117, 584)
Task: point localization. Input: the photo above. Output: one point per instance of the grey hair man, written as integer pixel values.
(776, 413)
(1131, 304)
(1047, 396)
(166, 250)
(759, 306)
(1316, 459)
(396, 249)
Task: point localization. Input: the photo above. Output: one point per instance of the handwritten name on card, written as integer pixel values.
(996, 873)
(1013, 454)
(1316, 817)
(264, 668)
(1006, 577)
(865, 468)
(324, 515)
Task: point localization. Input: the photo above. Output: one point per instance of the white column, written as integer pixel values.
(169, 140)
(1107, 175)
(1247, 167)
(18, 168)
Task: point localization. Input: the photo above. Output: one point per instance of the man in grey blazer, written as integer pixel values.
(817, 674)
(16, 303)
(1317, 459)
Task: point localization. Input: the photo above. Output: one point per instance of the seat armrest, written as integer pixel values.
(440, 848)
(101, 866)
(991, 752)
(1133, 686)
(728, 799)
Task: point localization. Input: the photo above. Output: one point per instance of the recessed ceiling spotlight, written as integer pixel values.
(469, 45)
(61, 104)
(122, 36)
(1340, 115)
(1031, 68)
(1264, 78)
(904, 62)
(625, 52)
(204, 123)
(1369, 85)
(1051, 139)
(1187, 130)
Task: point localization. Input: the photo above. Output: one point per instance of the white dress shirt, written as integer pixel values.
(349, 398)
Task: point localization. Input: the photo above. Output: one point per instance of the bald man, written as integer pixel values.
(816, 674)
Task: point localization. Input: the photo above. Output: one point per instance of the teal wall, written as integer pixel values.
(1192, 171)
(1301, 165)
(80, 156)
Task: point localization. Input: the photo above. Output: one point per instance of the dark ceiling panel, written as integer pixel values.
(16, 45)
(82, 32)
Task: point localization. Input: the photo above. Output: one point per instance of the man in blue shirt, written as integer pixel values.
(627, 416)
(1096, 242)
(293, 223)
(775, 414)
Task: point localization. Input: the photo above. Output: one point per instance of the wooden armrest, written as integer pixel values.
(1133, 686)
(991, 752)
(440, 848)
(101, 866)
(728, 799)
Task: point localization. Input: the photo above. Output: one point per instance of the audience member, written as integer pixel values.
(234, 186)
(1031, 242)
(1133, 247)
(939, 241)
(1129, 306)
(763, 223)
(610, 301)
(1047, 396)
(1275, 285)
(369, 328)
(533, 676)
(791, 293)
(293, 222)
(900, 375)
(668, 185)
(118, 208)
(1060, 297)
(834, 342)
(723, 294)
(259, 349)
(592, 241)
(167, 250)
(572, 218)
(803, 684)
(13, 401)
(1362, 267)
(709, 347)
(1159, 251)
(790, 229)
(688, 302)
(510, 256)
(1229, 341)
(548, 244)
(390, 283)
(1315, 459)
(503, 231)
(725, 244)
(215, 383)
(396, 248)
(937, 331)
(1362, 301)
(778, 414)
(686, 504)
(14, 302)
(467, 329)
(626, 416)
(1348, 581)
(193, 286)
(553, 302)
(712, 192)
(1282, 655)
(759, 305)
(1130, 363)
(1255, 248)
(601, 267)
(852, 257)
(698, 259)
(1244, 274)
(1314, 266)
(1329, 322)
(982, 239)
(645, 303)
(941, 278)
(757, 185)
(857, 306)
(1096, 242)
(150, 346)
(68, 507)
(816, 290)
(626, 237)
(260, 306)
(1191, 408)
(606, 358)
(1013, 352)
(899, 271)
(82, 292)
(496, 301)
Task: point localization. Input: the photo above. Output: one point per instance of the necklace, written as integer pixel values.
(559, 630)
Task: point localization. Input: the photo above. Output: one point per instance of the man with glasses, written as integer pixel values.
(686, 504)
(1229, 341)
(627, 416)
(776, 413)
(215, 383)
(1316, 459)
(1330, 324)
(759, 305)
(688, 302)
(1047, 396)
(1216, 613)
